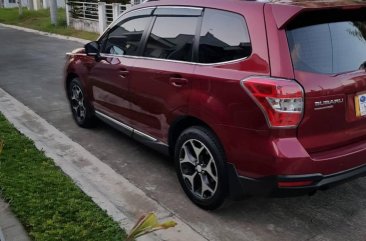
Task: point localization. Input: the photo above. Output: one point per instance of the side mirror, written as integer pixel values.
(92, 49)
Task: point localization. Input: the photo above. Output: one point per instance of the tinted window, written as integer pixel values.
(328, 48)
(224, 37)
(172, 38)
(124, 39)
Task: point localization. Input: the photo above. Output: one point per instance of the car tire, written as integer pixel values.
(82, 111)
(201, 167)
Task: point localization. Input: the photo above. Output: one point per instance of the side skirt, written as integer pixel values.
(135, 134)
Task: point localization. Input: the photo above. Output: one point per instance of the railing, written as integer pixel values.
(100, 13)
(109, 13)
(124, 7)
(83, 10)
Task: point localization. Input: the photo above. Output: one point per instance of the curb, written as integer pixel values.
(53, 35)
(10, 227)
(2, 238)
(122, 200)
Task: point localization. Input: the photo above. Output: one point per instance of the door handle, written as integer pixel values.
(178, 81)
(123, 73)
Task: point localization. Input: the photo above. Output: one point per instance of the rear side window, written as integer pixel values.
(172, 38)
(124, 39)
(224, 37)
(328, 48)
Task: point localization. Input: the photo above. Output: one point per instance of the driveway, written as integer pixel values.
(31, 71)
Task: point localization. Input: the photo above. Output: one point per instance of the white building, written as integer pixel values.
(13, 3)
(38, 4)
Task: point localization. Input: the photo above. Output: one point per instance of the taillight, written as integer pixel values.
(281, 100)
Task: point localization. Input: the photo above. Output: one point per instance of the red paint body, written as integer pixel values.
(139, 93)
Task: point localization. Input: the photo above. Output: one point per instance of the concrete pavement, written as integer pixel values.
(31, 71)
(10, 227)
(123, 201)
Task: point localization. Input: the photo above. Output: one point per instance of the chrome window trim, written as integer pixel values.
(75, 54)
(174, 61)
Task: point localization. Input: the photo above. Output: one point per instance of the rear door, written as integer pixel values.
(328, 51)
(161, 78)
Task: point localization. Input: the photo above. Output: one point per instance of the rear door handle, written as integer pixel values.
(178, 81)
(123, 73)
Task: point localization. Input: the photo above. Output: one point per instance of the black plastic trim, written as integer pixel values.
(268, 186)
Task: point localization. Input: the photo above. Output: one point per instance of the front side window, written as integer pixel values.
(124, 39)
(329, 48)
(172, 38)
(224, 37)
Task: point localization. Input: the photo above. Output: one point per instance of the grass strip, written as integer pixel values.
(47, 202)
(40, 20)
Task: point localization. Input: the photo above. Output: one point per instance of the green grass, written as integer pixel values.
(48, 203)
(40, 20)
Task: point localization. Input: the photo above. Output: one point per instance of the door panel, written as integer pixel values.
(110, 75)
(109, 79)
(158, 89)
(160, 86)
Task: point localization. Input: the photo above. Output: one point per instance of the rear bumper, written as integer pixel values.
(280, 186)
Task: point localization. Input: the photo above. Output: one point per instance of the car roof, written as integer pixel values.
(283, 10)
(297, 3)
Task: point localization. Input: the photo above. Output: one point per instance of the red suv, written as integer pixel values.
(249, 97)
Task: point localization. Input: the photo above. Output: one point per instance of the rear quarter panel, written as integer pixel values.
(219, 100)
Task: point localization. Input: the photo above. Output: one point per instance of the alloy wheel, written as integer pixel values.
(198, 169)
(77, 103)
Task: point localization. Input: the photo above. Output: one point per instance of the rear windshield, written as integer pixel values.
(320, 45)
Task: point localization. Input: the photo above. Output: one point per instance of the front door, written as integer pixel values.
(111, 73)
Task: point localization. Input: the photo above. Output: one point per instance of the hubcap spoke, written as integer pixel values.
(188, 158)
(190, 179)
(82, 111)
(197, 150)
(209, 170)
(205, 187)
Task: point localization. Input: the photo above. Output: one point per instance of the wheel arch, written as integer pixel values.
(70, 76)
(181, 124)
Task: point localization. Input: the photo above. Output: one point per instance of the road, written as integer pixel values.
(31, 71)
